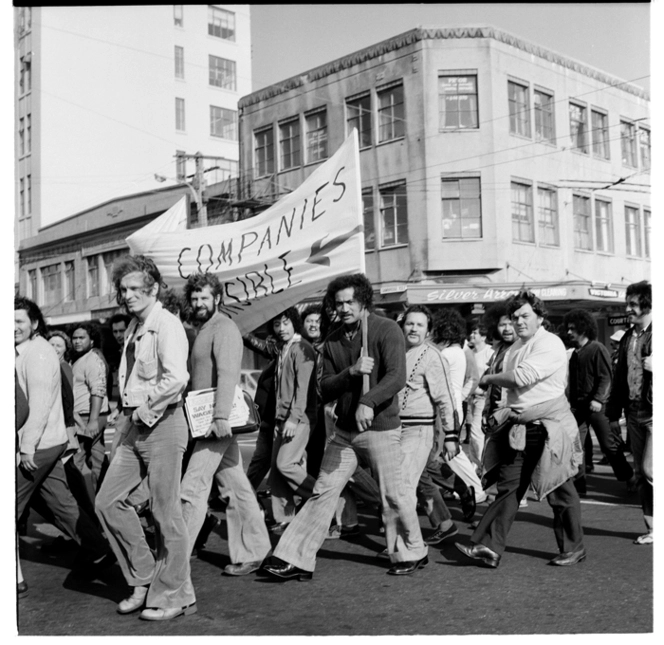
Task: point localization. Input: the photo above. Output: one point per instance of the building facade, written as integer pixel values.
(487, 163)
(106, 97)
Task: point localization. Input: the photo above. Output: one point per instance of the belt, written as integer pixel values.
(170, 406)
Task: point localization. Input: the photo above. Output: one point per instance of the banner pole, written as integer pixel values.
(366, 386)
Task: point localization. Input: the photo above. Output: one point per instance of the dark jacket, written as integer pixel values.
(589, 375)
(619, 397)
(386, 345)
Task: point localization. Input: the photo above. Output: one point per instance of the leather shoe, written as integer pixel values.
(569, 557)
(404, 568)
(440, 535)
(209, 524)
(160, 613)
(468, 504)
(22, 589)
(279, 528)
(134, 602)
(286, 571)
(480, 552)
(243, 568)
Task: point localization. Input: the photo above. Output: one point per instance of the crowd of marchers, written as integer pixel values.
(355, 408)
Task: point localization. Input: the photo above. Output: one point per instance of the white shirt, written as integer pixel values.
(456, 359)
(540, 369)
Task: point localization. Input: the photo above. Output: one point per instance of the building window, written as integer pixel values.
(644, 148)
(632, 231)
(316, 128)
(21, 137)
(545, 124)
(578, 127)
(32, 285)
(359, 116)
(628, 143)
(393, 215)
(264, 152)
(93, 276)
(646, 231)
(51, 284)
(223, 123)
(603, 226)
(178, 15)
(368, 217)
(28, 133)
(583, 235)
(221, 23)
(28, 191)
(21, 197)
(547, 206)
(457, 102)
(519, 107)
(108, 259)
(462, 208)
(390, 113)
(179, 115)
(25, 75)
(523, 227)
(222, 73)
(70, 282)
(600, 129)
(289, 144)
(179, 62)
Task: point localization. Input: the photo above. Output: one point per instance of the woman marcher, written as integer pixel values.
(427, 396)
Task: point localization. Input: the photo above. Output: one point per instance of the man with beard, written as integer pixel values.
(216, 359)
(589, 387)
(90, 400)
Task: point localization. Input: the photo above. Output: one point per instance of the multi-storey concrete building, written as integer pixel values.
(487, 162)
(107, 96)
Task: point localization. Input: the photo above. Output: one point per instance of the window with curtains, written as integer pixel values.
(457, 102)
(583, 234)
(221, 23)
(578, 127)
(603, 226)
(393, 215)
(461, 208)
(632, 231)
(523, 227)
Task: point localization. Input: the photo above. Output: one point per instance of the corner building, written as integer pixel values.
(488, 164)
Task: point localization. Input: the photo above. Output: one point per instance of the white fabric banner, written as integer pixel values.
(274, 260)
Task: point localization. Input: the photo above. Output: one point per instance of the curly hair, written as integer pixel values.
(449, 327)
(643, 291)
(583, 322)
(525, 298)
(198, 281)
(491, 319)
(127, 264)
(417, 309)
(33, 311)
(359, 283)
(293, 315)
(310, 310)
(90, 329)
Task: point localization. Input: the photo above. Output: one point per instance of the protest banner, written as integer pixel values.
(276, 259)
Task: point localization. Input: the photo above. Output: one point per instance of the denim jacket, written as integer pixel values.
(160, 372)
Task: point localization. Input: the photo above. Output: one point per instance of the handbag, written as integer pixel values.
(253, 420)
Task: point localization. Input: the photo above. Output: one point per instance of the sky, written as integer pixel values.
(290, 39)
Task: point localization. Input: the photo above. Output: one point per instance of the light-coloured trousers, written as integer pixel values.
(381, 450)
(154, 454)
(474, 426)
(463, 467)
(220, 461)
(416, 444)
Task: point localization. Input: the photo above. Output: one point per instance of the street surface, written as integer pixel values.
(350, 594)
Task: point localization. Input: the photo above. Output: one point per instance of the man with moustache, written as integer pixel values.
(216, 360)
(632, 392)
(534, 440)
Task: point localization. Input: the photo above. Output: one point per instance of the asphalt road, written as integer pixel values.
(611, 592)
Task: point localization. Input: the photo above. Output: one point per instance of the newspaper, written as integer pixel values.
(199, 408)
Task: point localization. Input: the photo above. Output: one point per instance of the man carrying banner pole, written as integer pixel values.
(367, 427)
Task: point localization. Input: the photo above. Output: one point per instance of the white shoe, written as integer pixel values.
(134, 602)
(645, 539)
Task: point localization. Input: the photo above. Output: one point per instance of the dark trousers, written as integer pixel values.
(259, 465)
(608, 442)
(52, 495)
(513, 480)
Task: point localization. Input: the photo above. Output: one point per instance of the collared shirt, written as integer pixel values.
(635, 363)
(540, 370)
(160, 374)
(38, 370)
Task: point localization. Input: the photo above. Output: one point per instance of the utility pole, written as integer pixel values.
(200, 183)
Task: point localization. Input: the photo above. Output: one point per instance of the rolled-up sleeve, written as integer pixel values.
(544, 360)
(95, 376)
